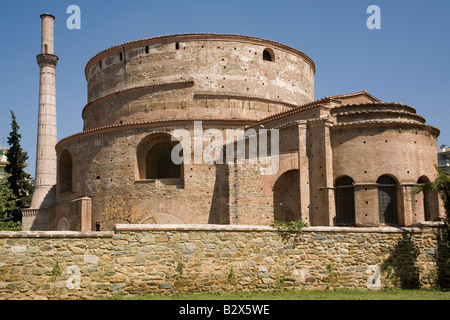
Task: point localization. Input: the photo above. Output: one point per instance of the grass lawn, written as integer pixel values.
(305, 295)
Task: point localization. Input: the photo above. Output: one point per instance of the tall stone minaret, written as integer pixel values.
(44, 194)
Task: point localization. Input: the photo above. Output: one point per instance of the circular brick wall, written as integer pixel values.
(189, 76)
(374, 139)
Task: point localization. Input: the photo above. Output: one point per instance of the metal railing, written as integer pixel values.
(444, 163)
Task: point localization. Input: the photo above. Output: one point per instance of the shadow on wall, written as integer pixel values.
(286, 197)
(442, 258)
(402, 262)
(220, 209)
(42, 220)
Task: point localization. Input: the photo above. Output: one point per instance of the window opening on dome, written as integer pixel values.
(267, 55)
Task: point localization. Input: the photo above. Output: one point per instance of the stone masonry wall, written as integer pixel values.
(137, 259)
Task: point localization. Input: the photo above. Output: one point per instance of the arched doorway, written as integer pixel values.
(64, 224)
(286, 197)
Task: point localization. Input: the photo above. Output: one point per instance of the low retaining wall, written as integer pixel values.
(138, 259)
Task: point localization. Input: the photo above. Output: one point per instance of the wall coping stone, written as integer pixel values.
(55, 234)
(215, 227)
(418, 228)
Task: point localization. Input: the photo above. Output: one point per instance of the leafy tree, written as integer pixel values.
(8, 204)
(18, 179)
(8, 201)
(9, 225)
(442, 186)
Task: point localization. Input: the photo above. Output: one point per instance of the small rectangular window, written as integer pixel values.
(177, 46)
(121, 56)
(147, 49)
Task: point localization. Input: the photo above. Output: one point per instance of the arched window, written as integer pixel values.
(159, 162)
(387, 200)
(345, 202)
(268, 55)
(154, 159)
(65, 172)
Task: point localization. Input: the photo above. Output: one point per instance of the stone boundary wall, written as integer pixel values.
(166, 259)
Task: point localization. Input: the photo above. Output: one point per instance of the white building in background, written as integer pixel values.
(444, 158)
(3, 161)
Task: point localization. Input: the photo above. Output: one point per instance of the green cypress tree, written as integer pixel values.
(19, 180)
(7, 199)
(8, 204)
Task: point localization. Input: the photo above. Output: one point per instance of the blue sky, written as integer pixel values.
(407, 61)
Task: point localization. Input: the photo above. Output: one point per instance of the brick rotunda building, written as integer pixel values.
(345, 160)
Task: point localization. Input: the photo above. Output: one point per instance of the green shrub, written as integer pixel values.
(287, 229)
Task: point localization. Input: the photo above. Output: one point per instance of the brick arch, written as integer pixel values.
(268, 55)
(65, 174)
(286, 196)
(64, 224)
(154, 147)
(426, 202)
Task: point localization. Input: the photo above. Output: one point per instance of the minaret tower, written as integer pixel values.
(44, 194)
